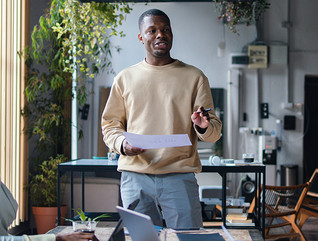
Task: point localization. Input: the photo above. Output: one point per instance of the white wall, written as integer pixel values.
(196, 35)
(303, 61)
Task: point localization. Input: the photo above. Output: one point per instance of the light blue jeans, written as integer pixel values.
(172, 197)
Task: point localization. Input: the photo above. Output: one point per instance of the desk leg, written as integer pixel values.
(83, 191)
(263, 205)
(72, 195)
(257, 197)
(260, 197)
(259, 202)
(224, 198)
(58, 197)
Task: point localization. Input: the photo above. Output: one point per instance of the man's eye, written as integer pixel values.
(152, 31)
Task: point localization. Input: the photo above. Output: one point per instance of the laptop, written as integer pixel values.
(118, 232)
(140, 226)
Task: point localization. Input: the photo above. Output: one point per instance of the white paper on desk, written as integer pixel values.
(157, 141)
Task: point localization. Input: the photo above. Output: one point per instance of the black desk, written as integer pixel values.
(110, 167)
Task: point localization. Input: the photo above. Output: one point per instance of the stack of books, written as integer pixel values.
(236, 216)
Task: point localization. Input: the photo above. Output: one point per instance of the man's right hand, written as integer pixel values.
(130, 150)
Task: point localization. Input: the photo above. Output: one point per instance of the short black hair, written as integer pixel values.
(151, 12)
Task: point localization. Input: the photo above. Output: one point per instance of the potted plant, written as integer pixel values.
(85, 224)
(233, 12)
(43, 194)
(71, 36)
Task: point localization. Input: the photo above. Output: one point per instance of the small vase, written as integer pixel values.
(84, 226)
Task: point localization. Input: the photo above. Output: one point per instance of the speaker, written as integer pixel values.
(248, 188)
(289, 122)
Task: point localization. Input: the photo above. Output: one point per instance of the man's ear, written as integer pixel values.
(140, 38)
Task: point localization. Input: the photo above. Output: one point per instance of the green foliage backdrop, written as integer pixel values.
(70, 35)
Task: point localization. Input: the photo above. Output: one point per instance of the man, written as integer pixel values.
(8, 210)
(160, 96)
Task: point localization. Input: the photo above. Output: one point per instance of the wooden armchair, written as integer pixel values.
(282, 206)
(309, 206)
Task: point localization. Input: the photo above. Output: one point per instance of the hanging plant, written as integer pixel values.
(233, 12)
(85, 30)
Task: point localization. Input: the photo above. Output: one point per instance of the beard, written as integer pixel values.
(161, 53)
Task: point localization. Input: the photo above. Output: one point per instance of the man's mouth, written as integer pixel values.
(161, 44)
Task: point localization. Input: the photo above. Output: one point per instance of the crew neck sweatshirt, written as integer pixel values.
(159, 100)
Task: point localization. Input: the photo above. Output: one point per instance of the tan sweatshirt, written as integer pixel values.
(158, 100)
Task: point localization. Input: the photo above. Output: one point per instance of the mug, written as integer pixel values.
(248, 157)
(214, 160)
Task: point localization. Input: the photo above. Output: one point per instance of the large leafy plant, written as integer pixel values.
(71, 36)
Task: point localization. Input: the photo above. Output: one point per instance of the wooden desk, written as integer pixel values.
(103, 233)
(110, 167)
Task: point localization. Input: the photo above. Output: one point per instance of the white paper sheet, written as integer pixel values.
(157, 141)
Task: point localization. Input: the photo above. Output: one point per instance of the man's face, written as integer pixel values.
(156, 35)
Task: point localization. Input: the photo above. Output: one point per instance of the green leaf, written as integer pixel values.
(105, 215)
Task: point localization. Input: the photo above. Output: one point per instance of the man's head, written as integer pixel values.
(156, 35)
(150, 13)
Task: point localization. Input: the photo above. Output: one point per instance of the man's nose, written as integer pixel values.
(160, 34)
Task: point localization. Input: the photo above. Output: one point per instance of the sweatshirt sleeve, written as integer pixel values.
(204, 98)
(113, 120)
(42, 237)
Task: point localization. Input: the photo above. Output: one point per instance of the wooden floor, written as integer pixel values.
(310, 229)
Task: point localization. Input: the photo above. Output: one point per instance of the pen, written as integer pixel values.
(205, 110)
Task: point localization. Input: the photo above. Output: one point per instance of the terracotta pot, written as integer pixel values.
(45, 218)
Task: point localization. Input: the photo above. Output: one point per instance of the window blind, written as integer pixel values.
(13, 143)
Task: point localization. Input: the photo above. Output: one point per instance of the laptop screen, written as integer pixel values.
(118, 232)
(140, 226)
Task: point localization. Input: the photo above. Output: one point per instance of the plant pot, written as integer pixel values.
(45, 218)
